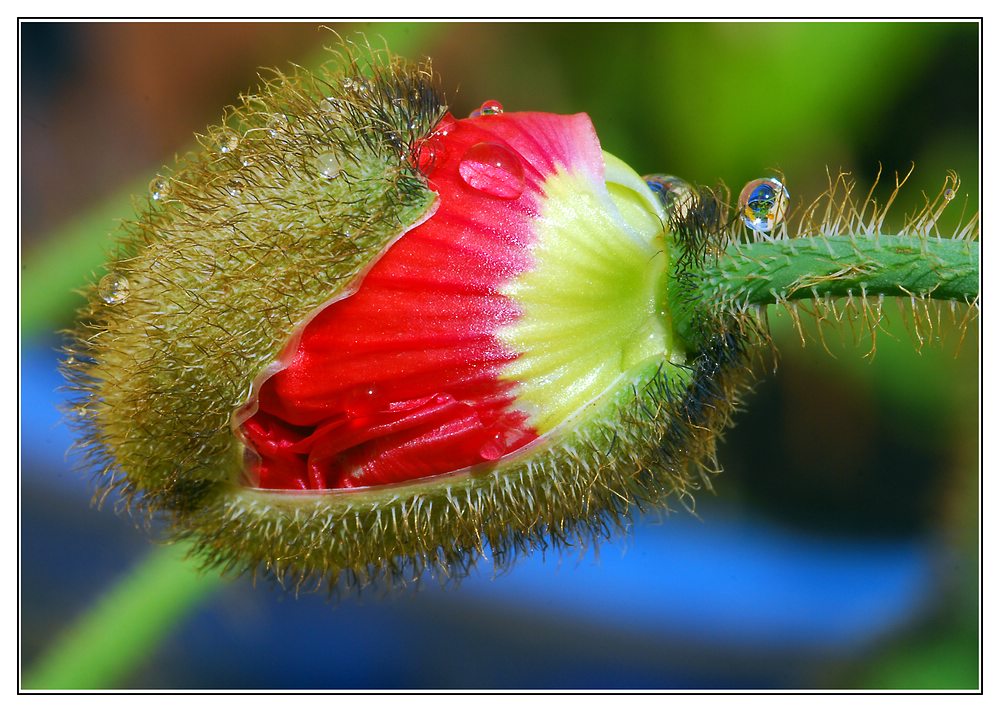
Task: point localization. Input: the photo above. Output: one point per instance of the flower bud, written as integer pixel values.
(353, 337)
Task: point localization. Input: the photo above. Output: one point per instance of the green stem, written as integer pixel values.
(843, 266)
(116, 634)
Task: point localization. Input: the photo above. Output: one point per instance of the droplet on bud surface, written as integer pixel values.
(365, 400)
(277, 124)
(490, 107)
(113, 288)
(495, 445)
(675, 194)
(228, 143)
(493, 169)
(429, 153)
(159, 188)
(234, 188)
(762, 203)
(328, 165)
(445, 126)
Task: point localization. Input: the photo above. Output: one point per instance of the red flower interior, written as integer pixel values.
(401, 379)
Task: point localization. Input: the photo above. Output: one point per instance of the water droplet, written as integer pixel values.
(493, 169)
(762, 203)
(113, 288)
(430, 153)
(495, 446)
(277, 124)
(234, 188)
(328, 165)
(490, 107)
(445, 126)
(365, 400)
(396, 141)
(228, 143)
(355, 84)
(949, 194)
(159, 188)
(675, 194)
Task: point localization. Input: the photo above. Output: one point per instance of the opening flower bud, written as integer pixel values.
(373, 338)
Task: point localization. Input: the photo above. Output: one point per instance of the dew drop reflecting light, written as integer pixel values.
(763, 203)
(493, 169)
(674, 194)
(159, 188)
(113, 288)
(490, 107)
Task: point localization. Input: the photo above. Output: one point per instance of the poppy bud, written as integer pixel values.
(354, 337)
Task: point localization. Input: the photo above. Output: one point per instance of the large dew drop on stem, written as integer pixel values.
(763, 203)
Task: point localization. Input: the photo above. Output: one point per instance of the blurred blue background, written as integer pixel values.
(840, 548)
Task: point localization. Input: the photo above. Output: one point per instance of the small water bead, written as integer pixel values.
(763, 203)
(113, 288)
(397, 142)
(159, 188)
(277, 124)
(674, 194)
(329, 165)
(358, 85)
(949, 194)
(234, 188)
(365, 401)
(495, 446)
(445, 126)
(429, 153)
(493, 169)
(228, 143)
(490, 107)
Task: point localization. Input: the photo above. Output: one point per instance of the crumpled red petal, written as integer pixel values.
(401, 379)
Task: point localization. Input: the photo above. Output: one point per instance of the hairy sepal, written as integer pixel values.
(305, 183)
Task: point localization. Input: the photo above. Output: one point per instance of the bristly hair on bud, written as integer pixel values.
(283, 204)
(353, 340)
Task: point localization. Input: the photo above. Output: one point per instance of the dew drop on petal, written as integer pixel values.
(159, 188)
(430, 152)
(493, 169)
(674, 194)
(495, 445)
(949, 194)
(365, 400)
(113, 288)
(762, 203)
(490, 107)
(328, 165)
(445, 126)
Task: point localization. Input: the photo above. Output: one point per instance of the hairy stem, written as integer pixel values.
(843, 266)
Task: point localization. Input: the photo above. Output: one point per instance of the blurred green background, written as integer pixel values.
(831, 445)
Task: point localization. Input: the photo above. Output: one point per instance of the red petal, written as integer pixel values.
(400, 379)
